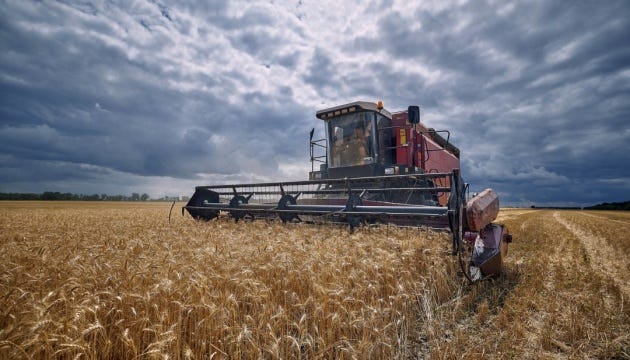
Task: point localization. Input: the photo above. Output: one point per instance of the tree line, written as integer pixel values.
(55, 195)
(611, 206)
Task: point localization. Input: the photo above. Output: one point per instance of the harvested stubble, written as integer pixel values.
(554, 301)
(118, 281)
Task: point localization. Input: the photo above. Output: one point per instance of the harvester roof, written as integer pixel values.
(350, 108)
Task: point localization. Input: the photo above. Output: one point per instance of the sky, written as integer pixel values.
(157, 97)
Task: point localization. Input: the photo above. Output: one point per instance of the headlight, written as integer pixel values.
(389, 171)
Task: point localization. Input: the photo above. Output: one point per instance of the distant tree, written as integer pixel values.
(48, 195)
(625, 205)
(20, 196)
(56, 195)
(59, 196)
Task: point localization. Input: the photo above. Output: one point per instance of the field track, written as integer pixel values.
(603, 257)
(117, 280)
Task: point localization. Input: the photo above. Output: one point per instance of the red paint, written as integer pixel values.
(428, 154)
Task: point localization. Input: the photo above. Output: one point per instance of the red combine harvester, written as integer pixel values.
(375, 167)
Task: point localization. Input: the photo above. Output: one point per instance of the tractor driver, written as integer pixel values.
(368, 137)
(357, 147)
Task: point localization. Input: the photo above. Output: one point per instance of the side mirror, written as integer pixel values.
(312, 132)
(413, 114)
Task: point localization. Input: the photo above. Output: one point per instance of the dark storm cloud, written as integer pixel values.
(541, 92)
(320, 72)
(120, 95)
(83, 99)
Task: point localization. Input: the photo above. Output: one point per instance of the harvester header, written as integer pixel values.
(374, 166)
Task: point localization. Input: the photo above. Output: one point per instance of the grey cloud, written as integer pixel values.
(535, 94)
(321, 73)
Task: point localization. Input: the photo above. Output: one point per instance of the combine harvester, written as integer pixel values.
(375, 167)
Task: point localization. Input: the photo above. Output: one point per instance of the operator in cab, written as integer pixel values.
(357, 147)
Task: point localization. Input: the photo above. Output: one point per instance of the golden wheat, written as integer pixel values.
(116, 280)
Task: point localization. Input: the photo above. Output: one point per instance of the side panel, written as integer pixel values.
(437, 159)
(401, 131)
(429, 155)
(404, 141)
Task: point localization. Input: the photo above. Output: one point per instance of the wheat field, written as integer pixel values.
(119, 281)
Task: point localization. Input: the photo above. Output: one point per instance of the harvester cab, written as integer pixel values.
(363, 139)
(389, 144)
(374, 166)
